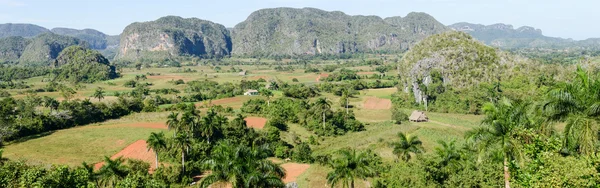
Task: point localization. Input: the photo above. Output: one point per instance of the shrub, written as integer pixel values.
(302, 153)
(295, 80)
(398, 116)
(278, 122)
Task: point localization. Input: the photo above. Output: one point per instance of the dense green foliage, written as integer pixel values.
(17, 73)
(78, 64)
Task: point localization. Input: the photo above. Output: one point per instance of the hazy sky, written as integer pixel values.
(577, 19)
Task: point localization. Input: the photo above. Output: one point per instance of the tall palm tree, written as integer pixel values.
(349, 166)
(448, 152)
(267, 93)
(156, 142)
(211, 123)
(346, 94)
(406, 145)
(182, 142)
(242, 166)
(324, 105)
(51, 103)
(173, 122)
(99, 93)
(500, 125)
(112, 171)
(578, 104)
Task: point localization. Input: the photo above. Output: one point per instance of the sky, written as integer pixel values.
(577, 19)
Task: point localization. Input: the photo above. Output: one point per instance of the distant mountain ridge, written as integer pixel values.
(40, 50)
(292, 31)
(96, 39)
(506, 37)
(21, 30)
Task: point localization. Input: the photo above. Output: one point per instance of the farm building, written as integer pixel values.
(251, 92)
(418, 116)
(243, 73)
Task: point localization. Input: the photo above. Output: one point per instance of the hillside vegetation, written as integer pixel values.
(44, 48)
(290, 31)
(78, 64)
(21, 30)
(173, 36)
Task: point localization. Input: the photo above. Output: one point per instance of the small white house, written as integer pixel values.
(251, 92)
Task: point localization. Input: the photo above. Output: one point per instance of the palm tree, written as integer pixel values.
(448, 152)
(173, 122)
(242, 167)
(51, 103)
(578, 104)
(156, 142)
(89, 168)
(99, 93)
(349, 166)
(346, 94)
(500, 125)
(182, 142)
(267, 93)
(406, 145)
(112, 171)
(211, 124)
(324, 105)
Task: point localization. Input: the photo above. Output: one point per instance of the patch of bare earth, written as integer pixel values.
(374, 103)
(138, 150)
(322, 75)
(293, 170)
(256, 122)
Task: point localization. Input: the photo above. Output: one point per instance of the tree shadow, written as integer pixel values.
(31, 137)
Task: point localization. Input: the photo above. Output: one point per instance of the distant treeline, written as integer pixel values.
(17, 73)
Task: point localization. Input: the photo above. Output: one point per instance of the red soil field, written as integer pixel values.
(256, 122)
(377, 104)
(293, 170)
(137, 150)
(322, 75)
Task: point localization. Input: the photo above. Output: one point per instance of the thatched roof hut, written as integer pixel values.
(418, 116)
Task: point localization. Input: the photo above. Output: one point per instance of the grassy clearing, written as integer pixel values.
(76, 145)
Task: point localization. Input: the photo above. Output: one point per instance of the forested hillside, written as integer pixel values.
(170, 37)
(290, 31)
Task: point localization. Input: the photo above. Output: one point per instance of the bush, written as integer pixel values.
(302, 153)
(295, 80)
(278, 122)
(4, 94)
(398, 116)
(130, 83)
